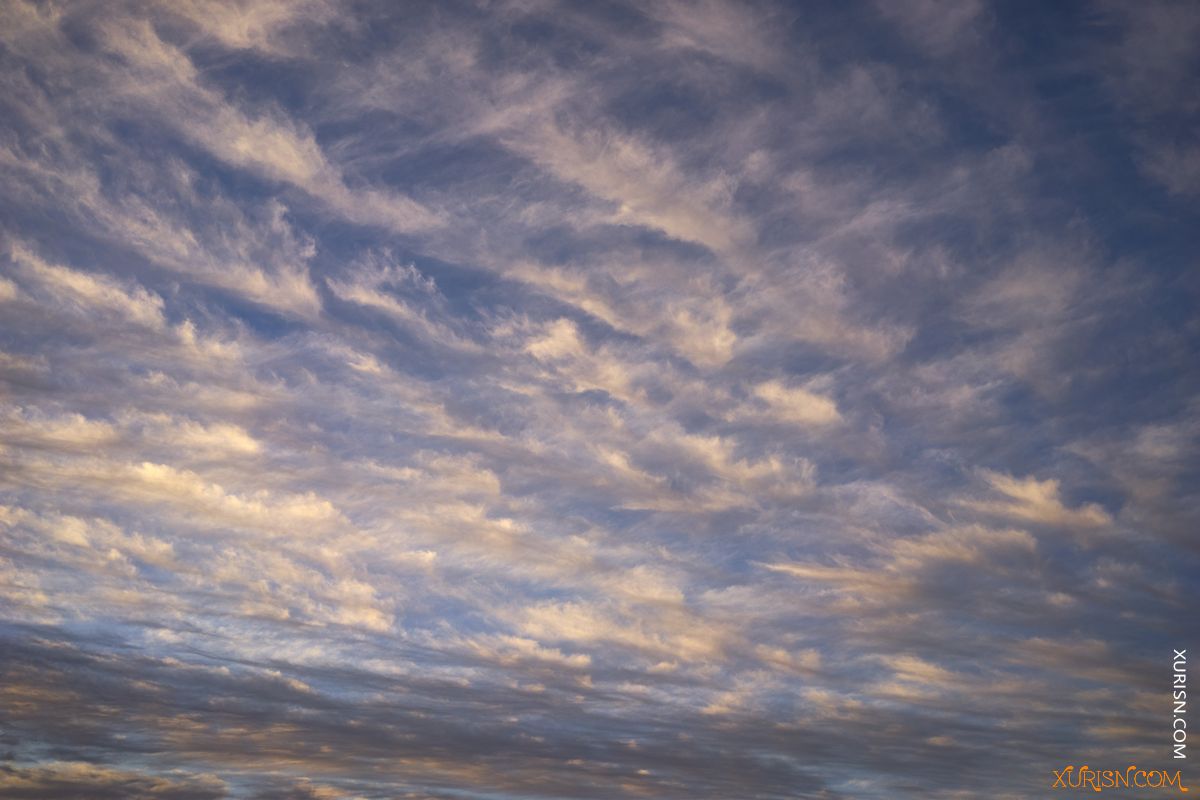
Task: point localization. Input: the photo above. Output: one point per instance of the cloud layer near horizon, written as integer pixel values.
(567, 400)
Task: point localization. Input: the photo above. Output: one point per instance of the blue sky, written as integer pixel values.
(548, 399)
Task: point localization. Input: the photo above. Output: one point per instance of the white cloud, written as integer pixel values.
(1036, 501)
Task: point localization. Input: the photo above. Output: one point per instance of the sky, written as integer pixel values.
(527, 399)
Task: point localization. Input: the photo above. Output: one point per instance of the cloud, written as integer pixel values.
(590, 400)
(796, 405)
(686, 637)
(1146, 61)
(936, 27)
(87, 294)
(741, 35)
(255, 26)
(646, 303)
(1036, 501)
(161, 78)
(74, 779)
(369, 288)
(185, 491)
(645, 187)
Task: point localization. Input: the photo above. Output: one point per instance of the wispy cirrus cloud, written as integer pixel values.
(560, 400)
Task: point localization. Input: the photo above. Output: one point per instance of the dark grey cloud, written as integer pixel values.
(70, 780)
